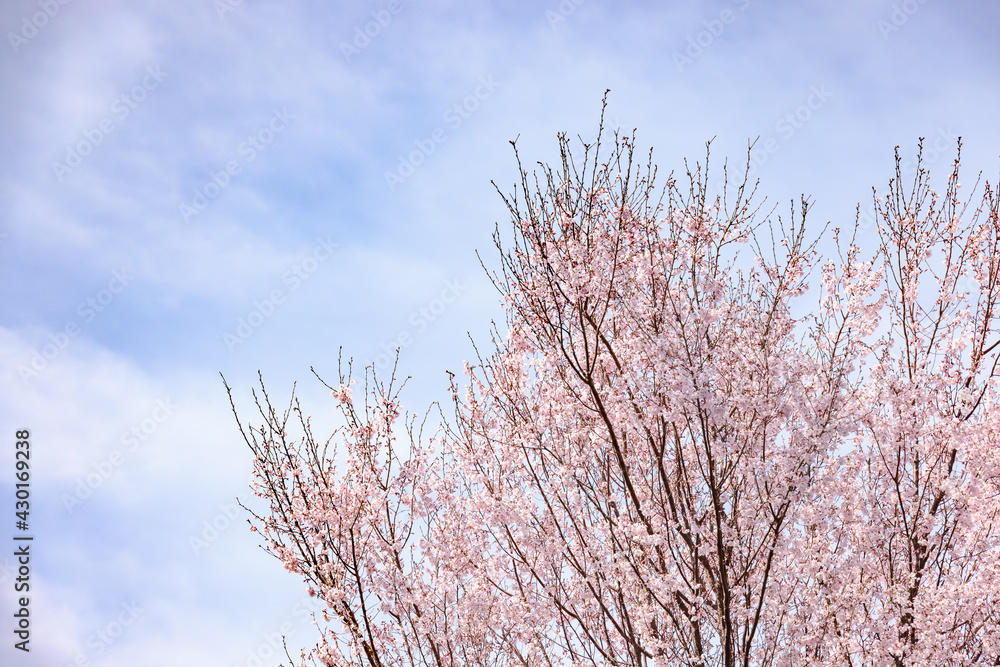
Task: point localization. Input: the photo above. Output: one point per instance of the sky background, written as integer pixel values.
(233, 186)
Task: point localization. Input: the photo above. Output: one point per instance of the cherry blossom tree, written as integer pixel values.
(907, 567)
(662, 460)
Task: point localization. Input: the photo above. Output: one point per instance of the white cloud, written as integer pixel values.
(324, 176)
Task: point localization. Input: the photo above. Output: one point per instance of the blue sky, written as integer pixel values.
(172, 169)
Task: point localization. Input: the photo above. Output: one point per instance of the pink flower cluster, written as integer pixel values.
(660, 463)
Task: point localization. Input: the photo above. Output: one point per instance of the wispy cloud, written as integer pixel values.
(378, 126)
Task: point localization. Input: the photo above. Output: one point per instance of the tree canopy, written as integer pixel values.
(658, 462)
